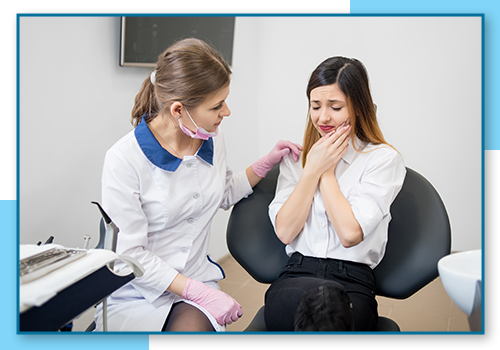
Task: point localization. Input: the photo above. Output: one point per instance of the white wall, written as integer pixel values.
(425, 75)
(75, 102)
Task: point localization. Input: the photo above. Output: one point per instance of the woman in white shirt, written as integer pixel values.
(163, 183)
(332, 208)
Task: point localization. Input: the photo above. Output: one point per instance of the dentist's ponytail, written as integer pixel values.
(188, 71)
(145, 103)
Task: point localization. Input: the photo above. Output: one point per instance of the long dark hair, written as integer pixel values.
(352, 78)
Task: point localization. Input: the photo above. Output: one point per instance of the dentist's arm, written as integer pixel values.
(178, 285)
(221, 306)
(253, 179)
(261, 167)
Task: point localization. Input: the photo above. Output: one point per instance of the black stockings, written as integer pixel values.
(184, 317)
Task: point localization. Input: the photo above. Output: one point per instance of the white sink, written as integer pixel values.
(461, 274)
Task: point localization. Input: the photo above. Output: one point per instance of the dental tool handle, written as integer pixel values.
(107, 219)
(111, 237)
(112, 230)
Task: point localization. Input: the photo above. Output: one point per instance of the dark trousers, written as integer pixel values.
(302, 274)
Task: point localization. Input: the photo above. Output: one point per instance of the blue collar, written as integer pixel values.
(160, 156)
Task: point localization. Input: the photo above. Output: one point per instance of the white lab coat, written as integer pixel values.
(164, 207)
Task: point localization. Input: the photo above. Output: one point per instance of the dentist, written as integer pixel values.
(163, 183)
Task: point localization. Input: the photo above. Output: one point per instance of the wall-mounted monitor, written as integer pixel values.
(142, 39)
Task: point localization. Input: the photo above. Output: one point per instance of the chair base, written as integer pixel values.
(385, 324)
(258, 324)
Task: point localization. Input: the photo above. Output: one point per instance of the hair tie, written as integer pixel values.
(152, 77)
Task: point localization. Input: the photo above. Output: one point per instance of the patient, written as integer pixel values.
(332, 209)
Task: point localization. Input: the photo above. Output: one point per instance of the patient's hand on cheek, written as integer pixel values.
(328, 150)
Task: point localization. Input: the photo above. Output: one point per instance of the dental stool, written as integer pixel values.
(419, 236)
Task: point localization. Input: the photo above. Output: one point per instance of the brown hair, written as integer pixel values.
(188, 71)
(352, 78)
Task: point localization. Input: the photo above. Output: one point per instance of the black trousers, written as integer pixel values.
(303, 274)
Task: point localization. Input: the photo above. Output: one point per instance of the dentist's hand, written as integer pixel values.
(221, 306)
(262, 166)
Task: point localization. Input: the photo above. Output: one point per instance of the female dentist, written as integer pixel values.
(163, 183)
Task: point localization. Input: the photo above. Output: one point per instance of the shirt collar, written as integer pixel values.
(160, 156)
(351, 153)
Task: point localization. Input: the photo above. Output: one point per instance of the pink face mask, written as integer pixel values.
(200, 132)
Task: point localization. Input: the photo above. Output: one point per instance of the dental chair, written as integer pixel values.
(419, 235)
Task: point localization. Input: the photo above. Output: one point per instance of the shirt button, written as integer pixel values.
(189, 165)
(184, 250)
(323, 224)
(190, 220)
(196, 196)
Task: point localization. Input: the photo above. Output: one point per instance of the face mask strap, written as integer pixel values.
(200, 132)
(191, 119)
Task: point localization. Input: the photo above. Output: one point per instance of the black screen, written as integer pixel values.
(144, 38)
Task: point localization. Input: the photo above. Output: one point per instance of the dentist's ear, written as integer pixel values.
(176, 109)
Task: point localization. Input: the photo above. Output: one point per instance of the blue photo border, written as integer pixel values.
(491, 126)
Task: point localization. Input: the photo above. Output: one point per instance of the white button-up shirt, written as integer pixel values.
(370, 181)
(164, 207)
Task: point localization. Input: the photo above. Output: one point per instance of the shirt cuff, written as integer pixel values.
(152, 294)
(368, 217)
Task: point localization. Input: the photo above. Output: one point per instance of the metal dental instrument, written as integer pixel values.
(86, 240)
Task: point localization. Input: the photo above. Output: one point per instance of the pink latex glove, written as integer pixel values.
(282, 148)
(221, 306)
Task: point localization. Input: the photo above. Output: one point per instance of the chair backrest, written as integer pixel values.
(419, 235)
(250, 235)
